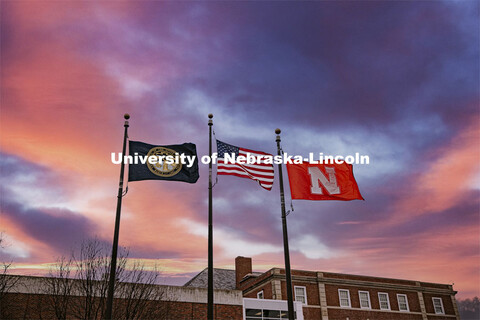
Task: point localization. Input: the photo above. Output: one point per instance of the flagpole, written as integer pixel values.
(286, 251)
(113, 262)
(210, 225)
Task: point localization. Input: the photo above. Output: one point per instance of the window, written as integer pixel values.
(301, 294)
(254, 313)
(383, 301)
(260, 295)
(364, 297)
(402, 302)
(265, 309)
(266, 314)
(344, 297)
(438, 306)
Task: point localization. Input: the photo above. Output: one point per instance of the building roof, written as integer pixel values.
(222, 279)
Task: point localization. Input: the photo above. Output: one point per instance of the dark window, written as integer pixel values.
(254, 313)
(271, 314)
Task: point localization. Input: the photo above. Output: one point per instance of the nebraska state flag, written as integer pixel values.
(323, 182)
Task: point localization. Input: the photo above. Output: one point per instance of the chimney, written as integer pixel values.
(243, 266)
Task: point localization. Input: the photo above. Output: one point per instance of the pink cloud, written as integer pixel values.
(65, 89)
(453, 168)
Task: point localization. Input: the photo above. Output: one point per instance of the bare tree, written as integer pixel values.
(91, 269)
(469, 309)
(7, 282)
(59, 287)
(137, 289)
(78, 286)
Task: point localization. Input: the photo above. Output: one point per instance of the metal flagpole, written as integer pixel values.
(113, 262)
(286, 251)
(210, 226)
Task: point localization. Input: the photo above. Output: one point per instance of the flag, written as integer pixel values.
(310, 181)
(162, 170)
(260, 171)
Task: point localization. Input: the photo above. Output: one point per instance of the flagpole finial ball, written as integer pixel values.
(210, 116)
(126, 116)
(277, 131)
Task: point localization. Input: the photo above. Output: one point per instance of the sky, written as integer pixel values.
(395, 80)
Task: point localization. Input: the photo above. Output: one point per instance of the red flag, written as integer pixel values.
(310, 181)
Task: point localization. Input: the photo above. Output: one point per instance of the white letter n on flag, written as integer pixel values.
(318, 177)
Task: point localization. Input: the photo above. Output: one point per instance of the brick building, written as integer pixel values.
(244, 294)
(334, 296)
(29, 299)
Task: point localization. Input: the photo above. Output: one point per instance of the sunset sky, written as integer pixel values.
(395, 80)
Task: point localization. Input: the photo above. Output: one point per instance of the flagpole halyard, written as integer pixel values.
(113, 261)
(210, 314)
(288, 276)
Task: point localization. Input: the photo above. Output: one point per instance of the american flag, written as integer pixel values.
(260, 171)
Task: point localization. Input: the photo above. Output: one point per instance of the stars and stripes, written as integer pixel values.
(259, 171)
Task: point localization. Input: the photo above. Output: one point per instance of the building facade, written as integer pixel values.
(29, 298)
(334, 296)
(244, 294)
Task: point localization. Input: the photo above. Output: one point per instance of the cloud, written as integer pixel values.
(311, 247)
(231, 243)
(49, 226)
(449, 176)
(394, 80)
